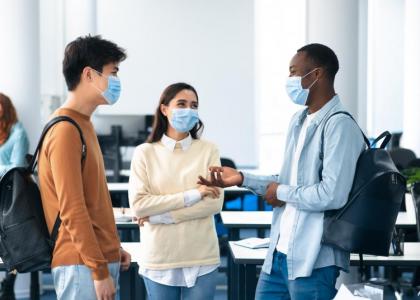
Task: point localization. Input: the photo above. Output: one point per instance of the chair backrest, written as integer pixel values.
(227, 162)
(415, 163)
(402, 157)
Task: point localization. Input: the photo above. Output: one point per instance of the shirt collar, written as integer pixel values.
(320, 114)
(170, 143)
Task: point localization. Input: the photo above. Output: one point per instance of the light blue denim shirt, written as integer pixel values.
(14, 150)
(343, 143)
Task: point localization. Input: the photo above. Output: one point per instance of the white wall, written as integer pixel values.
(411, 136)
(19, 51)
(209, 44)
(276, 43)
(335, 24)
(386, 66)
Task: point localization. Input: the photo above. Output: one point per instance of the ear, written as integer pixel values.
(87, 73)
(164, 109)
(319, 73)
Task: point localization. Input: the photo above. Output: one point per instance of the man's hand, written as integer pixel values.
(271, 195)
(105, 289)
(222, 177)
(125, 260)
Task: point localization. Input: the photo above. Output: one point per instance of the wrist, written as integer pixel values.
(242, 179)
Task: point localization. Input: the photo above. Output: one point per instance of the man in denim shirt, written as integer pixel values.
(298, 266)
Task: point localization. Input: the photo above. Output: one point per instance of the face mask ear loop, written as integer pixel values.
(307, 75)
(309, 87)
(98, 89)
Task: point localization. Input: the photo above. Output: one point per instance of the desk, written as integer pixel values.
(236, 220)
(123, 187)
(248, 259)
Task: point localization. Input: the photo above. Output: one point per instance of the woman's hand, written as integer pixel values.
(222, 177)
(209, 191)
(141, 221)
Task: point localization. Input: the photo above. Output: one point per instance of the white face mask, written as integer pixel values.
(296, 92)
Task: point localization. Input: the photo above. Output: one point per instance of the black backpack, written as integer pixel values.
(25, 243)
(366, 222)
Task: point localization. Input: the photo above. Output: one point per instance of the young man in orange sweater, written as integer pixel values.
(87, 256)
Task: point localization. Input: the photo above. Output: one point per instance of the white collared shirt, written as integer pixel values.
(184, 277)
(171, 143)
(288, 217)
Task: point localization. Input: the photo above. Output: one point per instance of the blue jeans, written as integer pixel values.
(204, 289)
(319, 286)
(75, 282)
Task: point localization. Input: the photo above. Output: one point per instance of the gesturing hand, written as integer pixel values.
(271, 195)
(222, 177)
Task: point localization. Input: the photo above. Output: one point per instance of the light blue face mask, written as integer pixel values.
(113, 91)
(184, 119)
(296, 92)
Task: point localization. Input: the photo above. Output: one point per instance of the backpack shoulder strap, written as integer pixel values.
(321, 153)
(34, 161)
(48, 126)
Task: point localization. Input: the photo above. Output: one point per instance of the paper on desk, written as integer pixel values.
(254, 243)
(345, 294)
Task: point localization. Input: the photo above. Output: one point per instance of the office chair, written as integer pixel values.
(415, 192)
(227, 162)
(415, 163)
(402, 157)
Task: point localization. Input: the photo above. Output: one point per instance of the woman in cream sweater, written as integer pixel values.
(180, 251)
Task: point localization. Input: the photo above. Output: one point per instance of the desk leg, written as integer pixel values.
(34, 286)
(250, 278)
(233, 235)
(131, 285)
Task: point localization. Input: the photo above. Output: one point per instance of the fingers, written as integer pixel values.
(214, 191)
(203, 181)
(142, 221)
(216, 169)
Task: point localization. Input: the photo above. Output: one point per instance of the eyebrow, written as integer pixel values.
(183, 100)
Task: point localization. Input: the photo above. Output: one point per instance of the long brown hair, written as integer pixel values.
(160, 123)
(8, 119)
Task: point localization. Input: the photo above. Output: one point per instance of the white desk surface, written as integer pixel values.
(134, 249)
(123, 187)
(411, 256)
(262, 219)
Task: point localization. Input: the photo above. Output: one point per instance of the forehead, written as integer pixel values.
(300, 60)
(186, 95)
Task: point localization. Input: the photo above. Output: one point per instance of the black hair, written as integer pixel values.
(322, 56)
(160, 123)
(92, 51)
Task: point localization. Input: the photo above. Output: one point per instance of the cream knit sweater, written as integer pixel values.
(158, 180)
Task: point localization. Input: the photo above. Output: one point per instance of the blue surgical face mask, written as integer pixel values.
(296, 92)
(113, 91)
(184, 119)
